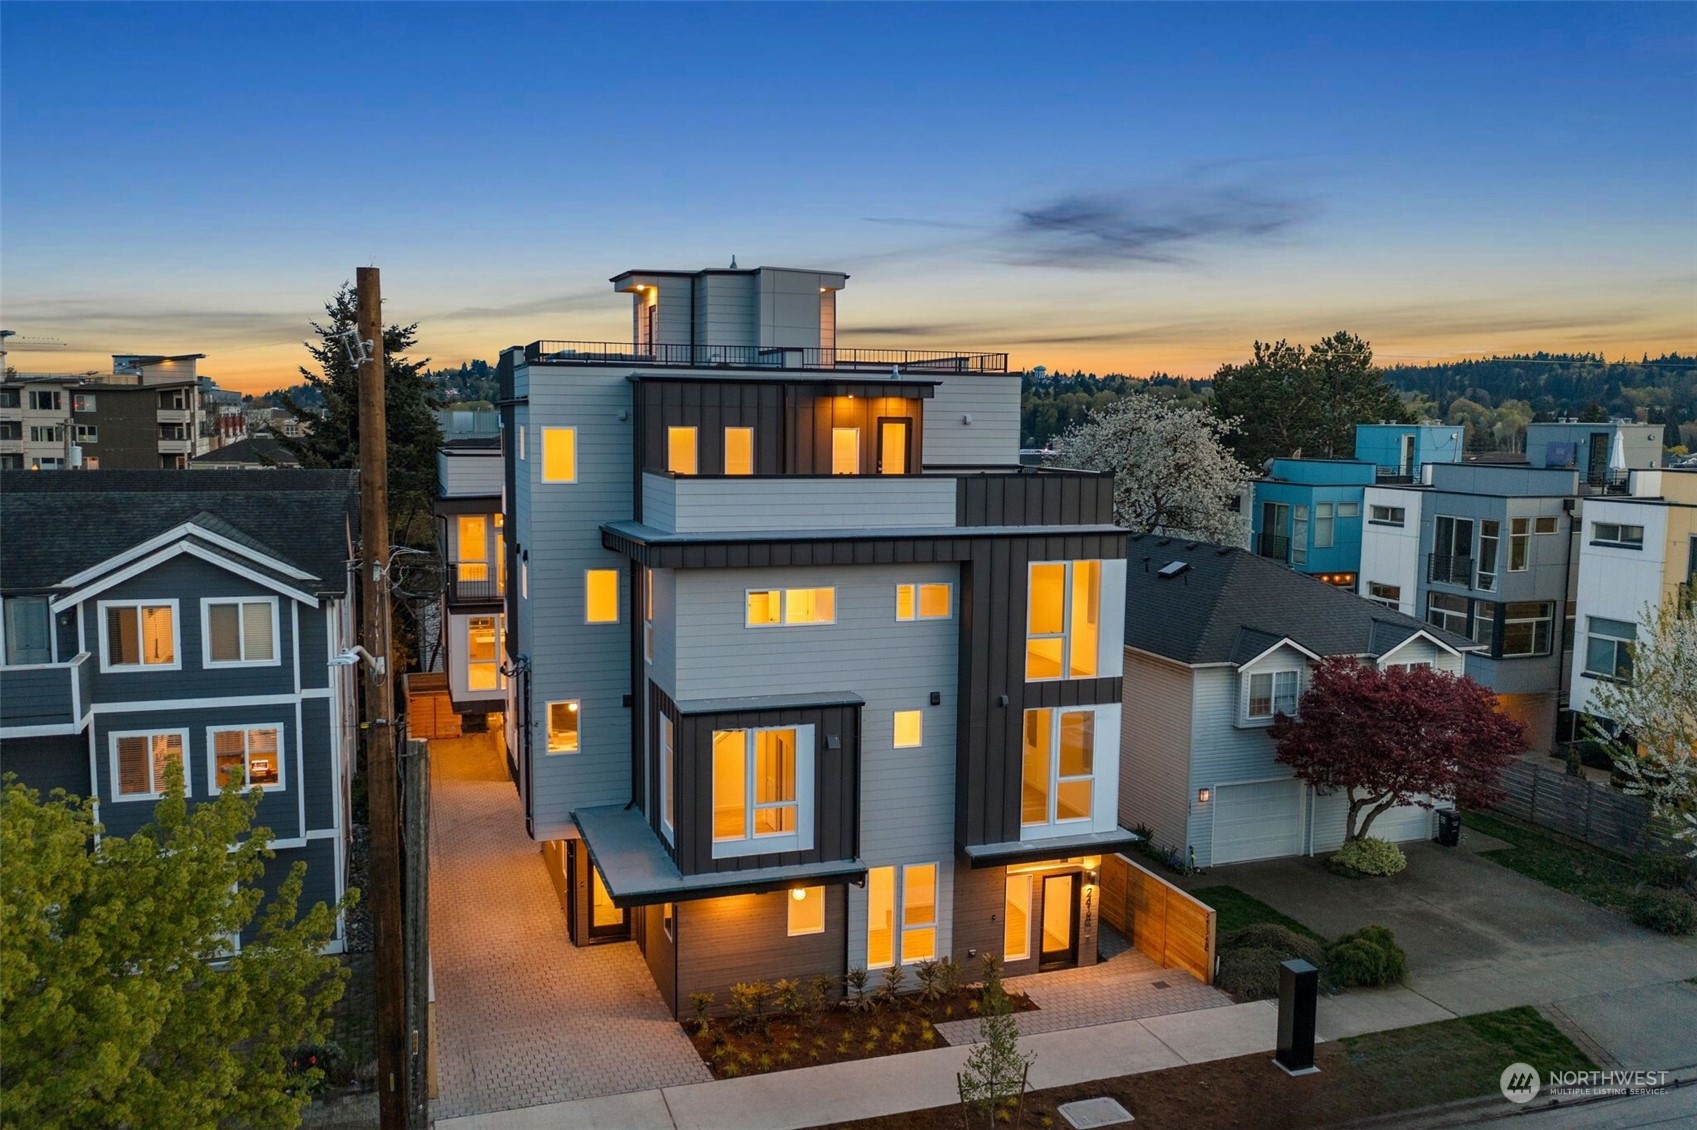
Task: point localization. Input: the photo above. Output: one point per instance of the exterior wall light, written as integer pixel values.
(799, 894)
(1202, 795)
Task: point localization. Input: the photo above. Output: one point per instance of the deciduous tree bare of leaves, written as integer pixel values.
(1173, 474)
(1651, 720)
(113, 1014)
(1403, 735)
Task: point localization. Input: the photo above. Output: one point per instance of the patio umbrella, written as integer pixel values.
(1617, 452)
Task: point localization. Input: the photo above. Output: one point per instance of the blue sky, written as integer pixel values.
(1115, 187)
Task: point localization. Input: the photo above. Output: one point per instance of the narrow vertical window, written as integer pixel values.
(668, 778)
(880, 917)
(1034, 798)
(739, 451)
(1489, 534)
(1519, 543)
(919, 912)
(601, 596)
(1016, 919)
(681, 451)
(1323, 519)
(559, 455)
(563, 723)
(1085, 636)
(845, 451)
(483, 665)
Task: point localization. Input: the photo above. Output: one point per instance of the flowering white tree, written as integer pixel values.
(1657, 709)
(1173, 472)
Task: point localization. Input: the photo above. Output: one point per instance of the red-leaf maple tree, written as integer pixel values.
(1404, 735)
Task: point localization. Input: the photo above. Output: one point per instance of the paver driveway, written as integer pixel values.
(523, 1017)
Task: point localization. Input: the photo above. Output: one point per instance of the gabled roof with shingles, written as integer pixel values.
(1229, 606)
(54, 525)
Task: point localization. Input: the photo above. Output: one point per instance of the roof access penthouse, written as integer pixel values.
(805, 673)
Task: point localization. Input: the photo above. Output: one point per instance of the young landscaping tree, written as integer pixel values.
(1652, 717)
(112, 1015)
(1172, 472)
(1295, 400)
(1404, 735)
(996, 1069)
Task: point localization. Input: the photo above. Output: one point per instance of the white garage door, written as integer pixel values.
(1257, 821)
(1399, 825)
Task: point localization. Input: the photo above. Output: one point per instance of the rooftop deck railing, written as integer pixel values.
(764, 357)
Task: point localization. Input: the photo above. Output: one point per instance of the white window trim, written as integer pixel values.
(799, 840)
(784, 608)
(176, 663)
(1030, 897)
(206, 660)
(789, 912)
(467, 661)
(215, 786)
(1245, 678)
(1050, 825)
(112, 763)
(666, 738)
(548, 749)
(575, 454)
(618, 605)
(1103, 580)
(918, 614)
(934, 925)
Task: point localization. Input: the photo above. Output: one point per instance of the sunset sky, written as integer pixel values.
(1115, 188)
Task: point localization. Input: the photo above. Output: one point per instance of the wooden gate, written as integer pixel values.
(429, 712)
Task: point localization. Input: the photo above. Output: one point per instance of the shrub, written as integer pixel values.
(1282, 940)
(1670, 872)
(748, 1003)
(1252, 971)
(1368, 856)
(701, 1002)
(1666, 912)
(787, 996)
(856, 997)
(817, 995)
(890, 989)
(1370, 956)
(928, 975)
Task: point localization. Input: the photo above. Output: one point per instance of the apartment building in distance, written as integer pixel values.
(803, 672)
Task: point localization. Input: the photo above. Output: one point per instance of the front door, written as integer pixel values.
(1060, 922)
(893, 440)
(605, 919)
(1275, 520)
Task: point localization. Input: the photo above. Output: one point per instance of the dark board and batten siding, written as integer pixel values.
(989, 749)
(921, 549)
(836, 782)
(1034, 498)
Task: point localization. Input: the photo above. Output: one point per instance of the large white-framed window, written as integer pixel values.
(668, 758)
(807, 911)
(1267, 694)
(934, 601)
(601, 596)
(559, 455)
(565, 721)
(138, 760)
(1608, 648)
(1388, 595)
(1447, 611)
(1324, 518)
(1016, 919)
(239, 633)
(1616, 535)
(139, 635)
(1527, 627)
(901, 914)
(1387, 515)
(245, 757)
(483, 653)
(1063, 620)
(1490, 533)
(762, 790)
(682, 450)
(773, 607)
(1058, 774)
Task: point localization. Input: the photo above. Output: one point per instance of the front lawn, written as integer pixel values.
(1597, 877)
(1362, 1077)
(1234, 910)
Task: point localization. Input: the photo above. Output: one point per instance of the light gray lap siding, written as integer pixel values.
(1155, 747)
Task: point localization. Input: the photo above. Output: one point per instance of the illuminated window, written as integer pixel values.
(924, 602)
(807, 911)
(559, 455)
(919, 912)
(139, 761)
(1063, 621)
(908, 728)
(1273, 692)
(483, 665)
(239, 632)
(601, 596)
(1059, 769)
(880, 917)
(648, 614)
(767, 607)
(680, 451)
(245, 758)
(137, 635)
(473, 551)
(668, 778)
(911, 937)
(668, 920)
(845, 451)
(1016, 919)
(563, 721)
(762, 780)
(739, 451)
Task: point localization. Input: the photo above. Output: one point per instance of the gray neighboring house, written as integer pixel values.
(470, 532)
(254, 453)
(803, 671)
(1218, 641)
(1487, 551)
(152, 616)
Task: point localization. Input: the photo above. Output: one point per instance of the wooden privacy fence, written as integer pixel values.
(1164, 923)
(1579, 808)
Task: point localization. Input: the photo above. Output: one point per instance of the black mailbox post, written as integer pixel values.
(1299, 990)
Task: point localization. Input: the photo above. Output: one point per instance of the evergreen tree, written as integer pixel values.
(1295, 400)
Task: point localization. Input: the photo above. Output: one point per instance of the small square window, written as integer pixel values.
(807, 911)
(559, 455)
(563, 719)
(909, 728)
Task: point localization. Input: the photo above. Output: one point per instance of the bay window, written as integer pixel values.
(1063, 620)
(762, 791)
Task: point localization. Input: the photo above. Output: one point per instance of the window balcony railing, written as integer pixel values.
(48, 696)
(1276, 546)
(1383, 474)
(473, 582)
(684, 355)
(1446, 570)
(1617, 481)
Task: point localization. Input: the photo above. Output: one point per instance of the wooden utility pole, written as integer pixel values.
(415, 838)
(378, 717)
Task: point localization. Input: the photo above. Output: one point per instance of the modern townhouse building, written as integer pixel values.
(1218, 641)
(1636, 552)
(1307, 513)
(152, 617)
(1485, 551)
(1601, 453)
(805, 672)
(470, 525)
